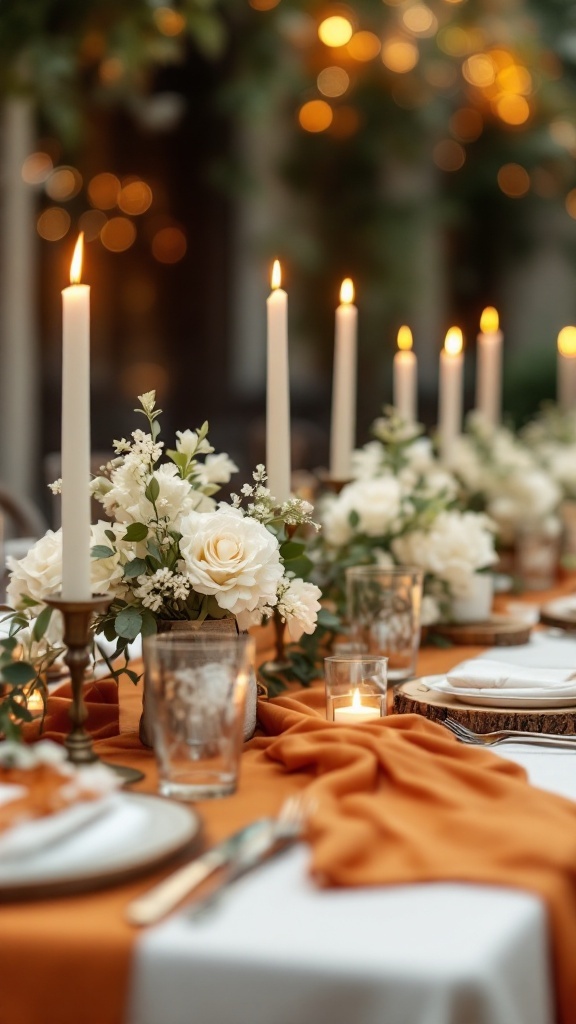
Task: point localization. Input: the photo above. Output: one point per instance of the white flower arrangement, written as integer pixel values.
(402, 508)
(501, 475)
(551, 438)
(170, 552)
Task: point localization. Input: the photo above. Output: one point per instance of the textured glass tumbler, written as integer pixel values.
(383, 608)
(198, 692)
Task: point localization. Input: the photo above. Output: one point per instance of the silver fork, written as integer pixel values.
(491, 739)
(283, 830)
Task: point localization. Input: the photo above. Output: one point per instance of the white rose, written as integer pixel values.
(299, 606)
(377, 503)
(39, 573)
(232, 557)
(367, 462)
(455, 546)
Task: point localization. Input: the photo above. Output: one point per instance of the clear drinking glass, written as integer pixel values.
(383, 609)
(198, 692)
(355, 688)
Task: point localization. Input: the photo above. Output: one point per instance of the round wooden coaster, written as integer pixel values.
(560, 614)
(414, 697)
(497, 631)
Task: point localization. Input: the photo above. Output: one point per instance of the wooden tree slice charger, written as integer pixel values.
(497, 631)
(414, 697)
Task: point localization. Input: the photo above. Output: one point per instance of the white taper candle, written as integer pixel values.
(278, 391)
(343, 425)
(76, 434)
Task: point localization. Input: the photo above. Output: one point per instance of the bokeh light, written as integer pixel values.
(514, 78)
(479, 70)
(564, 134)
(53, 223)
(571, 203)
(315, 116)
(364, 46)
(513, 180)
(118, 234)
(399, 55)
(64, 183)
(135, 197)
(111, 70)
(335, 31)
(420, 20)
(37, 168)
(333, 81)
(104, 191)
(449, 155)
(512, 109)
(168, 21)
(263, 5)
(91, 223)
(169, 245)
(466, 124)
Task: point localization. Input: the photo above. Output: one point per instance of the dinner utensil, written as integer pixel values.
(280, 833)
(164, 897)
(491, 739)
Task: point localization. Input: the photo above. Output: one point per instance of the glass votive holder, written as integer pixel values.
(355, 688)
(383, 609)
(538, 554)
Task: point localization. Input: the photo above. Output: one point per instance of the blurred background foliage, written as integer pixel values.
(423, 147)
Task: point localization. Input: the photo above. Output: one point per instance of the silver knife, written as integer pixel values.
(164, 897)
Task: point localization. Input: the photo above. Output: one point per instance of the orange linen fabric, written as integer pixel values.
(399, 800)
(101, 700)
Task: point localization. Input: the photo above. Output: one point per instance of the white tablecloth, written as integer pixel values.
(277, 950)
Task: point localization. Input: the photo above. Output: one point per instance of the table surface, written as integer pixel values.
(278, 950)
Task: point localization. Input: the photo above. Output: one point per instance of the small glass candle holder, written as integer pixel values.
(355, 688)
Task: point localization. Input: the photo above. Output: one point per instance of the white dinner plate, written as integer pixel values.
(496, 698)
(137, 833)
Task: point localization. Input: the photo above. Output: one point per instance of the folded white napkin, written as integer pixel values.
(481, 673)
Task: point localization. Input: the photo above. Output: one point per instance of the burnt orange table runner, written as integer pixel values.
(398, 801)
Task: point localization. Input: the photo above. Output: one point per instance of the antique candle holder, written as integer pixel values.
(78, 617)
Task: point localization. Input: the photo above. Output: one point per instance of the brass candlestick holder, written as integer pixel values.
(78, 617)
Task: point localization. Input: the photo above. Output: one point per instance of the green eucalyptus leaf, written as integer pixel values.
(42, 623)
(136, 532)
(149, 623)
(292, 549)
(152, 490)
(18, 673)
(101, 551)
(137, 567)
(128, 623)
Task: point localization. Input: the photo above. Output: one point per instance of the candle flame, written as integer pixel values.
(76, 265)
(489, 321)
(356, 702)
(567, 341)
(347, 291)
(453, 342)
(404, 338)
(276, 274)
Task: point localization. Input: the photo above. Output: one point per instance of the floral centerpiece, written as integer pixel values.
(168, 552)
(551, 438)
(502, 475)
(402, 508)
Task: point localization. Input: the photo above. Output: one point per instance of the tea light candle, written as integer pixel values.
(566, 386)
(404, 373)
(489, 367)
(356, 712)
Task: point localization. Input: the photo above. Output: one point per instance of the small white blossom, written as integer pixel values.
(298, 605)
(56, 486)
(148, 401)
